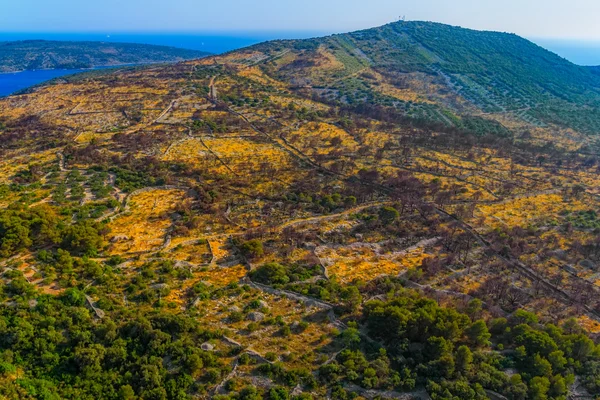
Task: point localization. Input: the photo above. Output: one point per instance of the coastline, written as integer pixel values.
(10, 88)
(96, 67)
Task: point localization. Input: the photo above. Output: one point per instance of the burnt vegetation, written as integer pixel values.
(295, 220)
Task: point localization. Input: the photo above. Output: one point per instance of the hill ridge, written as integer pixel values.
(495, 72)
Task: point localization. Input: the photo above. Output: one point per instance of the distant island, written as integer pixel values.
(44, 54)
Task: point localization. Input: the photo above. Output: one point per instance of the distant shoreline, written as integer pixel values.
(39, 55)
(8, 87)
(83, 69)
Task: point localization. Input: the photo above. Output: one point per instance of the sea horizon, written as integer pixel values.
(211, 42)
(584, 52)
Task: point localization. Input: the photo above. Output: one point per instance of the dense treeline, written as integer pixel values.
(40, 226)
(54, 348)
(458, 355)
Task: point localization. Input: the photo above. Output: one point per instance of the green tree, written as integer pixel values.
(558, 387)
(14, 235)
(558, 360)
(83, 238)
(436, 347)
(351, 297)
(538, 388)
(516, 388)
(479, 334)
(252, 248)
(350, 201)
(474, 308)
(279, 393)
(583, 346)
(524, 317)
(464, 359)
(126, 393)
(249, 393)
(541, 366)
(388, 214)
(73, 297)
(351, 338)
(270, 273)
(534, 341)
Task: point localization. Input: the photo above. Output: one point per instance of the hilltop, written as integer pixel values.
(45, 54)
(332, 218)
(496, 73)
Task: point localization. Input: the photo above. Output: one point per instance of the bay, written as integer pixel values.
(14, 81)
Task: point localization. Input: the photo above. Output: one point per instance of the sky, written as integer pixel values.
(572, 19)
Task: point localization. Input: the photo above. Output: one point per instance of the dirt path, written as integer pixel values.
(212, 89)
(309, 301)
(165, 111)
(386, 394)
(320, 218)
(61, 162)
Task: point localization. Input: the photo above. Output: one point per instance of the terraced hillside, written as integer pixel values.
(461, 70)
(258, 225)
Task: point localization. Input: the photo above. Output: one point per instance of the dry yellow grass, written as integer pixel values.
(589, 324)
(220, 249)
(404, 94)
(223, 276)
(145, 225)
(322, 138)
(195, 253)
(526, 210)
(12, 165)
(267, 339)
(285, 101)
(190, 151)
(245, 157)
(256, 74)
(362, 263)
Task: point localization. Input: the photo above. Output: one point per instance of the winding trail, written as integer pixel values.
(319, 218)
(212, 89)
(61, 161)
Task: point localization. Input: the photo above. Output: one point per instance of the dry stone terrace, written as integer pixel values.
(223, 191)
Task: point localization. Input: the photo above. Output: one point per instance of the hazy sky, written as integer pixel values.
(532, 18)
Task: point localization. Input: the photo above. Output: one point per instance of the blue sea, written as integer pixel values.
(12, 82)
(579, 52)
(209, 42)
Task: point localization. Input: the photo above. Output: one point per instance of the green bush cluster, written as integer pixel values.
(453, 356)
(36, 227)
(64, 353)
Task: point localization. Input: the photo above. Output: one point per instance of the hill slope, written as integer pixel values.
(497, 73)
(296, 220)
(43, 54)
